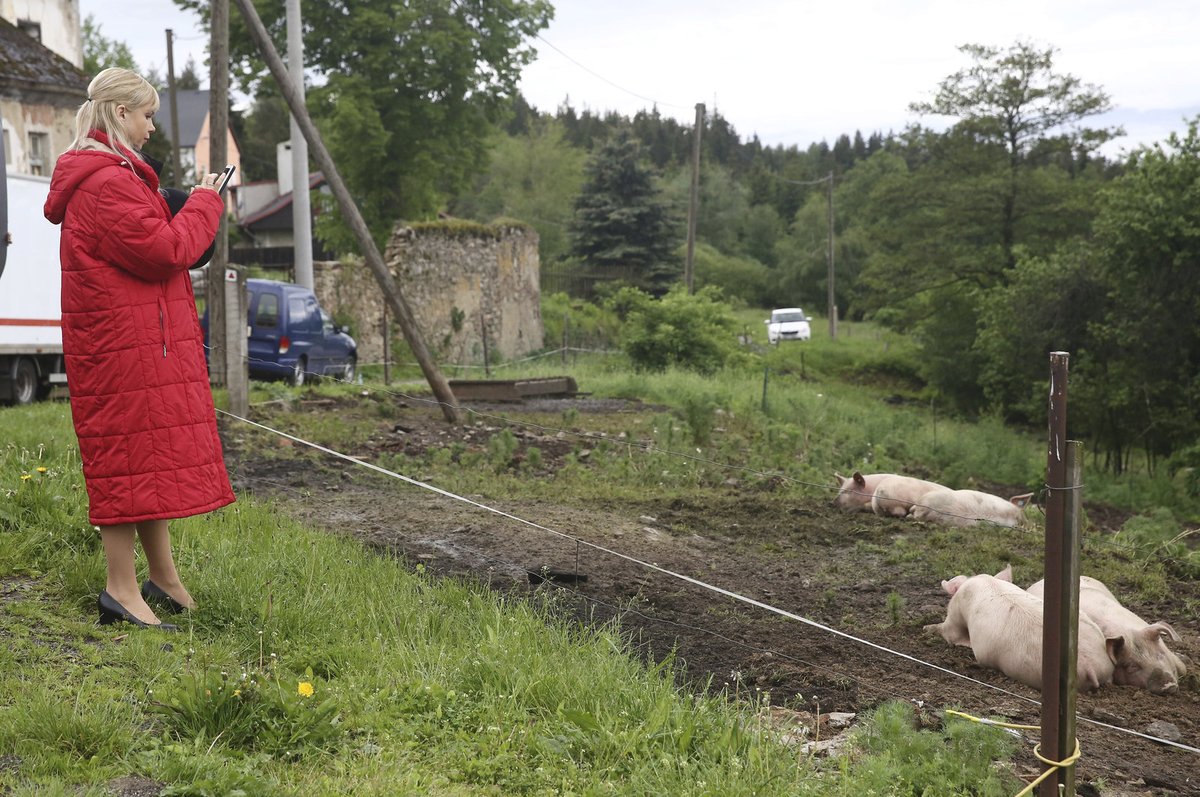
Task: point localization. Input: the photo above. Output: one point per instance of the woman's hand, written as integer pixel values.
(209, 182)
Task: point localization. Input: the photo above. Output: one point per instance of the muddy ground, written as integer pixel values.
(857, 574)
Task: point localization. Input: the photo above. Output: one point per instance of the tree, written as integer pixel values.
(406, 94)
(259, 131)
(534, 177)
(1147, 238)
(1014, 100)
(189, 78)
(101, 52)
(621, 222)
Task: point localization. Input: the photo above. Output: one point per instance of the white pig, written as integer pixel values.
(895, 495)
(970, 507)
(855, 492)
(1002, 624)
(1142, 657)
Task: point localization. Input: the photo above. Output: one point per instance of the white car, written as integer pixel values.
(787, 323)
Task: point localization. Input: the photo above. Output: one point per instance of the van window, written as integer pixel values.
(296, 314)
(268, 310)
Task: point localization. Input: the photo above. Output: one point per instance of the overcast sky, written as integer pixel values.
(796, 72)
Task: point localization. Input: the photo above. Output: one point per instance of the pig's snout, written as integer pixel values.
(1164, 687)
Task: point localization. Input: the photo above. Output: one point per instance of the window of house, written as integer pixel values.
(30, 28)
(39, 153)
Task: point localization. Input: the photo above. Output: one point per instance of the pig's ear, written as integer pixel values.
(859, 479)
(1020, 500)
(1160, 631)
(953, 584)
(1005, 574)
(1115, 646)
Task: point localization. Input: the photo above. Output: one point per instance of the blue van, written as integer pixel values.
(292, 338)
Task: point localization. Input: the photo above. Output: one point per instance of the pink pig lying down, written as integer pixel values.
(1002, 624)
(895, 495)
(1142, 657)
(970, 508)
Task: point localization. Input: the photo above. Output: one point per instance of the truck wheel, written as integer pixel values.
(25, 382)
(298, 372)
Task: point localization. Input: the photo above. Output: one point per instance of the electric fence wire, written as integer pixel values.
(621, 611)
(1136, 550)
(670, 573)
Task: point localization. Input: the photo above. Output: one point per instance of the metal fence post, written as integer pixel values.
(1060, 621)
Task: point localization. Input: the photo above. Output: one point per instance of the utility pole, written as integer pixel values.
(301, 212)
(350, 212)
(218, 355)
(176, 170)
(693, 200)
(833, 319)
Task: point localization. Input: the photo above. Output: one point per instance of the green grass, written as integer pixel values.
(315, 667)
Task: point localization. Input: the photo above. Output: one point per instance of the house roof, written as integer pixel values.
(193, 110)
(272, 216)
(32, 73)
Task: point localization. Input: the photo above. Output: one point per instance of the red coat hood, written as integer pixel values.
(76, 165)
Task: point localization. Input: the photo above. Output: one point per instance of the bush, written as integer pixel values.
(696, 332)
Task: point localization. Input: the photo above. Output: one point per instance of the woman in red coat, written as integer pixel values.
(140, 399)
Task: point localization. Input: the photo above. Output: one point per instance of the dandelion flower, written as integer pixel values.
(42, 470)
(304, 689)
(25, 477)
(237, 692)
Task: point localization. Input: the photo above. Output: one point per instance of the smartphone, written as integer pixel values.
(224, 178)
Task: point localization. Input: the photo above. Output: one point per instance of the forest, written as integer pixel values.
(994, 231)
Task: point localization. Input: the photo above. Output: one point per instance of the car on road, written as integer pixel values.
(788, 323)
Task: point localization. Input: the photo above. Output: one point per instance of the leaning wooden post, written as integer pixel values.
(396, 301)
(1060, 626)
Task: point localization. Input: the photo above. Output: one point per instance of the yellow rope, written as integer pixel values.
(1054, 765)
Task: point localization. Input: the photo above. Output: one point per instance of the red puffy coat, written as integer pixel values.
(140, 399)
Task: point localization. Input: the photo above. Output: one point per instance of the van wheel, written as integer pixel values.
(348, 371)
(298, 372)
(25, 382)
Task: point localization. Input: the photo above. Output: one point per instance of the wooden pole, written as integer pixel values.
(387, 350)
(833, 319)
(487, 366)
(350, 212)
(693, 201)
(176, 168)
(220, 355)
(1059, 631)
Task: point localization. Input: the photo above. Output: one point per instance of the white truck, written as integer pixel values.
(31, 355)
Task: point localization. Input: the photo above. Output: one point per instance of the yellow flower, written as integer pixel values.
(237, 692)
(25, 477)
(42, 470)
(305, 689)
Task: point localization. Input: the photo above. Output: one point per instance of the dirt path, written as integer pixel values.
(802, 557)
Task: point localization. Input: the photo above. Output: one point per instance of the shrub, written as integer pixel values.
(696, 332)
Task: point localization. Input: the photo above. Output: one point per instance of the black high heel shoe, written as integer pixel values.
(153, 592)
(113, 612)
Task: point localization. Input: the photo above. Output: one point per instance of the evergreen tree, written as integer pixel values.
(622, 224)
(189, 79)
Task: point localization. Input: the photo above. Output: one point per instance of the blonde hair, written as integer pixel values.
(112, 87)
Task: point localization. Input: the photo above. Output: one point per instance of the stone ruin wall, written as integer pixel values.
(480, 277)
